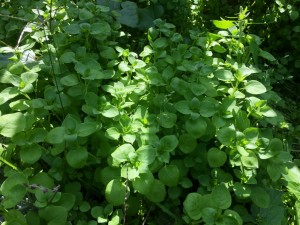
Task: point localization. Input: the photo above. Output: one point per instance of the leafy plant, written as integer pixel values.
(182, 132)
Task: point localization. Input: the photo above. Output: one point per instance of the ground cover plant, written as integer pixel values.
(175, 126)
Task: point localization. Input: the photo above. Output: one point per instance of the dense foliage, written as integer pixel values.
(148, 112)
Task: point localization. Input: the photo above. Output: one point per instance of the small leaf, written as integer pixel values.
(255, 87)
(216, 157)
(226, 136)
(192, 205)
(87, 128)
(223, 24)
(56, 135)
(11, 124)
(168, 143)
(197, 127)
(29, 77)
(113, 133)
(67, 57)
(31, 153)
(242, 190)
(146, 154)
(69, 80)
(187, 143)
(157, 191)
(166, 119)
(267, 55)
(122, 153)
(260, 197)
(54, 215)
(143, 183)
(110, 111)
(224, 75)
(76, 158)
(84, 14)
(221, 196)
(169, 175)
(115, 192)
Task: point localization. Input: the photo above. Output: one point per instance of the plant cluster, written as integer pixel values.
(95, 132)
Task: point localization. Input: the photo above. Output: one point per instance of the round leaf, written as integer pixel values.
(169, 175)
(115, 192)
(221, 196)
(187, 143)
(255, 87)
(11, 124)
(191, 205)
(157, 191)
(166, 119)
(30, 153)
(77, 158)
(56, 135)
(216, 157)
(226, 136)
(260, 197)
(196, 128)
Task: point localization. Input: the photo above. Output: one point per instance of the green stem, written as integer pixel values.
(8, 163)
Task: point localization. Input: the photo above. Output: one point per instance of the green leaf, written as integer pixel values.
(224, 75)
(169, 175)
(160, 43)
(77, 158)
(241, 190)
(11, 124)
(192, 205)
(67, 57)
(183, 107)
(157, 191)
(109, 53)
(146, 154)
(87, 128)
(179, 85)
(67, 200)
(196, 128)
(54, 215)
(267, 55)
(31, 153)
(115, 192)
(128, 14)
(198, 89)
(56, 135)
(8, 93)
(29, 77)
(223, 24)
(187, 143)
(166, 119)
(106, 174)
(84, 14)
(123, 153)
(255, 87)
(168, 143)
(100, 28)
(113, 133)
(72, 29)
(69, 80)
(226, 136)
(209, 215)
(260, 197)
(216, 157)
(221, 196)
(20, 105)
(250, 161)
(13, 189)
(143, 183)
(208, 107)
(110, 111)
